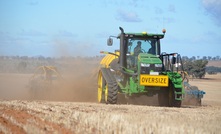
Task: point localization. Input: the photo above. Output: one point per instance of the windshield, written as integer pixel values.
(136, 46)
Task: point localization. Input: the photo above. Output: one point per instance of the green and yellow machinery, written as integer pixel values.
(140, 68)
(44, 79)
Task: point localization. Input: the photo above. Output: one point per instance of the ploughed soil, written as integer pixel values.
(70, 106)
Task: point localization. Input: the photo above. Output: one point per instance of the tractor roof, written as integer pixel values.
(144, 35)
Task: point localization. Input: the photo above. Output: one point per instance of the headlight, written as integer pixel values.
(144, 65)
(158, 65)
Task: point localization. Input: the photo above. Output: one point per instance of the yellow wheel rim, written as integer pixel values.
(106, 93)
(100, 81)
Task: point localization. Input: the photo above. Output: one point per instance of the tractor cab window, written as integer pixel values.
(135, 47)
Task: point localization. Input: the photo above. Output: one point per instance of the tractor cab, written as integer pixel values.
(137, 49)
(139, 46)
(134, 47)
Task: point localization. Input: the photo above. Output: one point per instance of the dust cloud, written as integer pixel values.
(13, 86)
(78, 83)
(79, 75)
(67, 48)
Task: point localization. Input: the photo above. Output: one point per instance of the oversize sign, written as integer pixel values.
(154, 80)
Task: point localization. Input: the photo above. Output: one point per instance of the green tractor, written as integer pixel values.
(139, 68)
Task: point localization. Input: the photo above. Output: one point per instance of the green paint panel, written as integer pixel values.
(149, 58)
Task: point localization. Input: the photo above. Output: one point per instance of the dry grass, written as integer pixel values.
(214, 63)
(100, 118)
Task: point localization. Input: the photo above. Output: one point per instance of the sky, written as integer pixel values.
(81, 27)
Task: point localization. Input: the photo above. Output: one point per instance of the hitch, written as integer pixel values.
(192, 95)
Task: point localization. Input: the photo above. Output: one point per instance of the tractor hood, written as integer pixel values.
(149, 58)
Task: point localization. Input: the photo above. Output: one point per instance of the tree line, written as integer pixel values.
(197, 67)
(25, 64)
(209, 58)
(193, 58)
(194, 66)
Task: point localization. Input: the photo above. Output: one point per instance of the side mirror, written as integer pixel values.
(109, 41)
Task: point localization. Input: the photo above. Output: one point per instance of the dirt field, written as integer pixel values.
(72, 108)
(214, 63)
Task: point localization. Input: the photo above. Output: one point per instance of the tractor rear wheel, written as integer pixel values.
(163, 97)
(107, 87)
(172, 101)
(107, 91)
(112, 92)
(166, 97)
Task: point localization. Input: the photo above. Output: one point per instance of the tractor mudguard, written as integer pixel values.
(176, 79)
(108, 76)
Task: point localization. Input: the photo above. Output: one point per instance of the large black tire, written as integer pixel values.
(163, 97)
(103, 92)
(172, 101)
(111, 90)
(112, 93)
(166, 97)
